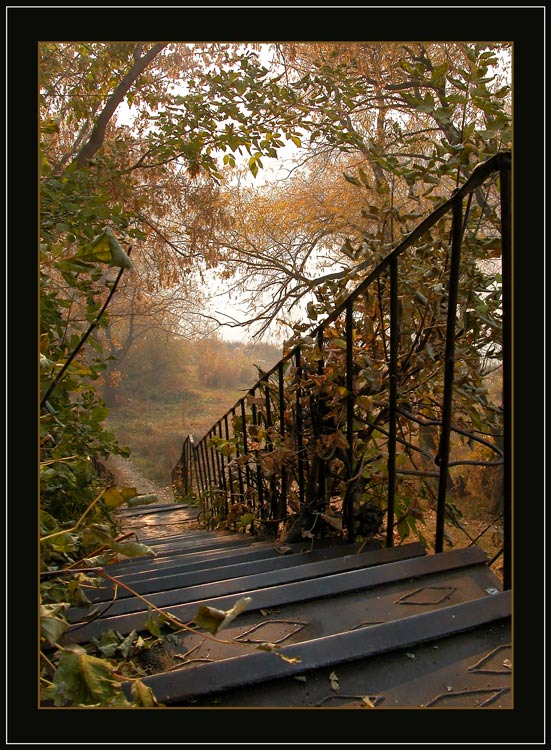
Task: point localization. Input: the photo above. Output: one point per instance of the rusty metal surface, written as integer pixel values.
(400, 639)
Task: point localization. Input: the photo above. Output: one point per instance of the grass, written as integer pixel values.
(154, 431)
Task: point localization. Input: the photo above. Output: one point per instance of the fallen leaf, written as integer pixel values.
(366, 700)
(334, 682)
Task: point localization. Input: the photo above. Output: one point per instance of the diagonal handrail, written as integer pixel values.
(287, 410)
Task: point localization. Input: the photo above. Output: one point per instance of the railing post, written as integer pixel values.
(393, 397)
(442, 458)
(507, 275)
(282, 511)
(259, 482)
(223, 466)
(348, 511)
(230, 474)
(300, 443)
(239, 469)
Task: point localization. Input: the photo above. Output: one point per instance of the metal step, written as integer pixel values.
(172, 579)
(369, 656)
(247, 581)
(276, 595)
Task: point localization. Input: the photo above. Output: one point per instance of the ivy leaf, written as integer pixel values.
(104, 249)
(86, 680)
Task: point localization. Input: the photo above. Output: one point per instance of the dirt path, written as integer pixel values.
(127, 473)
(147, 526)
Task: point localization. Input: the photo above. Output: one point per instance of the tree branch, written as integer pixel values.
(95, 142)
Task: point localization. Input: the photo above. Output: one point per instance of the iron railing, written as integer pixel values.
(331, 433)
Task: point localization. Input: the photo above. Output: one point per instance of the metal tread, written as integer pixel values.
(304, 590)
(257, 667)
(247, 581)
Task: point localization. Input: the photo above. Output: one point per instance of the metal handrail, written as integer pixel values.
(235, 480)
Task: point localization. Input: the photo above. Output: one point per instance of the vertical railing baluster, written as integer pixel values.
(245, 451)
(269, 448)
(199, 466)
(259, 483)
(207, 464)
(393, 399)
(230, 473)
(348, 511)
(449, 364)
(213, 454)
(282, 511)
(507, 302)
(223, 461)
(239, 469)
(299, 436)
(322, 474)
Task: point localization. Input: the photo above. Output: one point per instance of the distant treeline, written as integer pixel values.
(161, 367)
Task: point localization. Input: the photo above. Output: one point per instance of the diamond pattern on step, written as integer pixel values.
(497, 661)
(427, 595)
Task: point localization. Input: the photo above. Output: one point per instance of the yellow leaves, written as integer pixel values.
(117, 495)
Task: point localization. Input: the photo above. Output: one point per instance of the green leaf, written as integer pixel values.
(253, 166)
(108, 644)
(352, 180)
(86, 680)
(152, 624)
(132, 549)
(104, 249)
(117, 495)
(128, 644)
(142, 695)
(52, 628)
